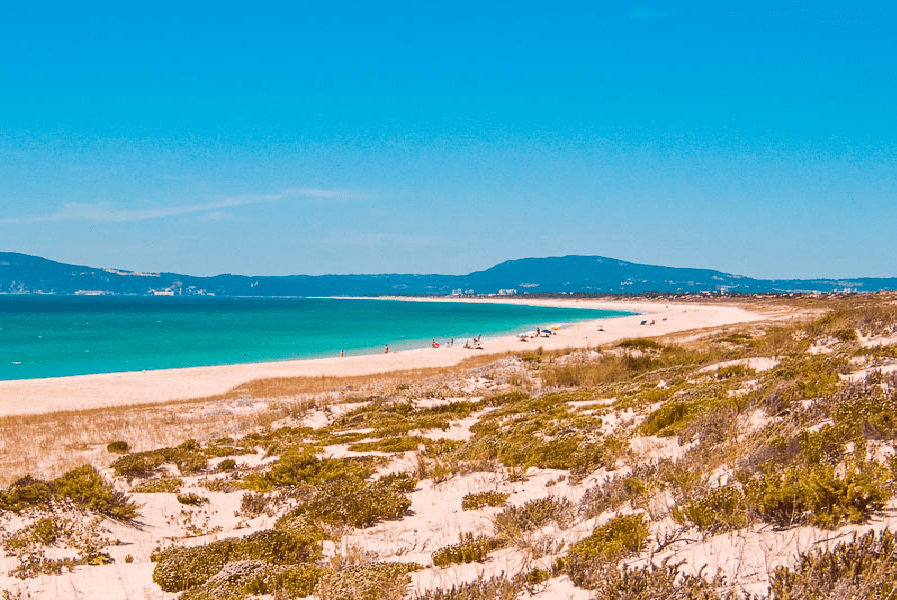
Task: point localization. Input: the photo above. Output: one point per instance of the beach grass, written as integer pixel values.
(48, 444)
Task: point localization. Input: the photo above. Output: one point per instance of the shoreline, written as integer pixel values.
(84, 392)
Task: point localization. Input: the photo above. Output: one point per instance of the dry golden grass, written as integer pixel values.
(285, 387)
(47, 445)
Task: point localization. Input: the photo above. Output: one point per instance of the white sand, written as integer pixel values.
(115, 389)
(758, 364)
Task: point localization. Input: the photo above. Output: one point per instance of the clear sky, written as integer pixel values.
(368, 137)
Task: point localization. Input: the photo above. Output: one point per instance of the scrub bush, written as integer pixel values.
(483, 499)
(375, 581)
(117, 447)
(170, 485)
(83, 487)
(357, 503)
(620, 537)
(864, 569)
(721, 509)
(180, 569)
(815, 495)
(468, 549)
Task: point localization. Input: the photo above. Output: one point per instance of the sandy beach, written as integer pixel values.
(81, 392)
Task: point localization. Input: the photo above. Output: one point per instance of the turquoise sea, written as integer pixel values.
(53, 336)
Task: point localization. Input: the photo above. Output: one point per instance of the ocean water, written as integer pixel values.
(52, 336)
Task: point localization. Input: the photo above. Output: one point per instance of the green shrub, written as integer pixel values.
(376, 581)
(859, 413)
(815, 376)
(864, 569)
(180, 569)
(399, 482)
(302, 466)
(188, 457)
(516, 433)
(228, 464)
(170, 485)
(42, 532)
(653, 394)
(721, 509)
(846, 335)
(46, 530)
(736, 338)
(620, 537)
(393, 445)
(295, 581)
(191, 499)
(669, 418)
(468, 549)
(481, 499)
(815, 495)
(240, 579)
(357, 503)
(392, 419)
(533, 515)
(26, 492)
(138, 464)
(117, 447)
(733, 371)
(653, 582)
(85, 488)
(825, 445)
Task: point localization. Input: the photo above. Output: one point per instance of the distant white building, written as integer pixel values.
(508, 292)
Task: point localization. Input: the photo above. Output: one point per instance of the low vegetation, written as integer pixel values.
(179, 569)
(863, 568)
(375, 581)
(188, 457)
(468, 549)
(626, 455)
(620, 537)
(82, 487)
(483, 499)
(356, 503)
(169, 485)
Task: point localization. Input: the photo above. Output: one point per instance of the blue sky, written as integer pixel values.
(277, 138)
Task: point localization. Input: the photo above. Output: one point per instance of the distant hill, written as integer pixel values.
(21, 273)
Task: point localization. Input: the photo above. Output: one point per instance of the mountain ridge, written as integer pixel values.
(27, 274)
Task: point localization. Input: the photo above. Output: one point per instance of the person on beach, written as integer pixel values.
(452, 343)
(342, 354)
(386, 349)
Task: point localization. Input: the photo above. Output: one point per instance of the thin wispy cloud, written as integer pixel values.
(329, 194)
(107, 213)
